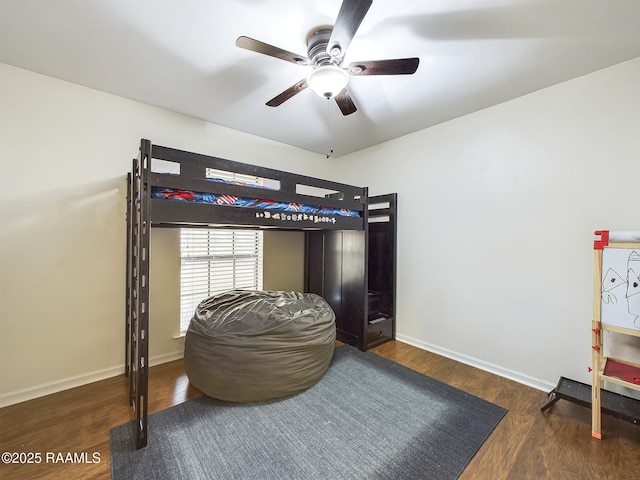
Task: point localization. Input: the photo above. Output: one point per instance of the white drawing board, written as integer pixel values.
(621, 287)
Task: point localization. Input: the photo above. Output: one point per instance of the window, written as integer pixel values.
(213, 261)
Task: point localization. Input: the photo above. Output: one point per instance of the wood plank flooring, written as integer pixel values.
(528, 444)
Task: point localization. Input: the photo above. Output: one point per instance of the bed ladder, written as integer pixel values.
(137, 295)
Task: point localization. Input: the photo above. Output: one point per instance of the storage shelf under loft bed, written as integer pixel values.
(381, 293)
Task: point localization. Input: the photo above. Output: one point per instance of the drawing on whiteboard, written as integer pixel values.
(621, 287)
(611, 284)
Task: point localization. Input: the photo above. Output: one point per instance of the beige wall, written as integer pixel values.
(496, 214)
(283, 261)
(64, 154)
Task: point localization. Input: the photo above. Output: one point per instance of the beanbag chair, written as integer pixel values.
(245, 346)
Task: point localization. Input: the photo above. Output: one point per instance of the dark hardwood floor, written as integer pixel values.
(528, 444)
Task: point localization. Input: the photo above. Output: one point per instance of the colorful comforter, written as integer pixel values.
(231, 200)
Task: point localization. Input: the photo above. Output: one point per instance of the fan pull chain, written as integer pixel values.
(330, 128)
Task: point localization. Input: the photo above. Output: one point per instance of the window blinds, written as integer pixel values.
(213, 261)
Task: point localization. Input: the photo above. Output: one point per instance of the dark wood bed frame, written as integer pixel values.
(337, 257)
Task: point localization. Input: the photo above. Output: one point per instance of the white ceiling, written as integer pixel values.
(181, 55)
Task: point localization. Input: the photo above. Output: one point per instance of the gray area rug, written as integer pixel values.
(368, 418)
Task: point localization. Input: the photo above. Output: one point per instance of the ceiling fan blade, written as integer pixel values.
(398, 66)
(266, 49)
(288, 93)
(351, 14)
(345, 102)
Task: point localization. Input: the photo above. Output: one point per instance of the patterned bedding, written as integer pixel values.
(230, 200)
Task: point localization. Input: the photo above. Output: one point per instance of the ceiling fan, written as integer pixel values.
(326, 48)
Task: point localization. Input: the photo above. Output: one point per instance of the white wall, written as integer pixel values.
(496, 218)
(496, 215)
(64, 154)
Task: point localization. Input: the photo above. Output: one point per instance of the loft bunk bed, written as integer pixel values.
(191, 196)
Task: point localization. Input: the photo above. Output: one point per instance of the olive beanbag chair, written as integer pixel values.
(244, 346)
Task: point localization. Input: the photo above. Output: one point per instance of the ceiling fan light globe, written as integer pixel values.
(327, 80)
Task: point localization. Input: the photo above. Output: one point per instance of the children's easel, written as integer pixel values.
(616, 308)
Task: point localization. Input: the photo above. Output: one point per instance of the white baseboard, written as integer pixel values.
(48, 388)
(474, 362)
(18, 396)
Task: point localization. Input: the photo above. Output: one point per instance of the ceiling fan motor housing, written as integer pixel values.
(317, 43)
